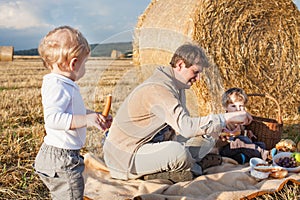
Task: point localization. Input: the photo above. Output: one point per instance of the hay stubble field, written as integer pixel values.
(21, 117)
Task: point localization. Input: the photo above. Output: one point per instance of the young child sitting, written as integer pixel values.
(240, 146)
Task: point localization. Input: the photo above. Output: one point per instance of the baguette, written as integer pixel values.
(107, 105)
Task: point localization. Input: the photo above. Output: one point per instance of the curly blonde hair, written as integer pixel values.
(62, 44)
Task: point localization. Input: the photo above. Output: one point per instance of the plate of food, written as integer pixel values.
(256, 162)
(289, 161)
(261, 169)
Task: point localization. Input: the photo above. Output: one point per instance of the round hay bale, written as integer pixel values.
(115, 54)
(158, 33)
(253, 44)
(6, 53)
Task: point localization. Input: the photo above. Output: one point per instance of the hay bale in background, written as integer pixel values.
(115, 54)
(163, 27)
(6, 53)
(160, 30)
(254, 45)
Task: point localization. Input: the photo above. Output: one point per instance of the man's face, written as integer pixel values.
(189, 75)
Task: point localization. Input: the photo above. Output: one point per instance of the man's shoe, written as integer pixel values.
(174, 176)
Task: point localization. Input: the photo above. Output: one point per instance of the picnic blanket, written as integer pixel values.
(227, 181)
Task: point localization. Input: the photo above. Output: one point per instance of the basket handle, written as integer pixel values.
(279, 117)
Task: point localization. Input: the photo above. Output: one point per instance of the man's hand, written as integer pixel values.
(239, 117)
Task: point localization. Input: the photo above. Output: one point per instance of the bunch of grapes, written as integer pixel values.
(287, 162)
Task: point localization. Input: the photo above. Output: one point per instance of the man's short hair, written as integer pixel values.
(191, 54)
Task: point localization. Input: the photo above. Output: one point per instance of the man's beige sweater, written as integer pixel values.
(156, 103)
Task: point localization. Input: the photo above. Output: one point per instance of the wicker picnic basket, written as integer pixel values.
(267, 130)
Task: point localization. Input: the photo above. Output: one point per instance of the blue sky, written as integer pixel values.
(24, 22)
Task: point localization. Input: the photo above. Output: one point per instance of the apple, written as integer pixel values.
(296, 155)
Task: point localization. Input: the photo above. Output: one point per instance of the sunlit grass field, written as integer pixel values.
(21, 120)
(21, 117)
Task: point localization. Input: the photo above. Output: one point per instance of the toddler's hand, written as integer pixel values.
(99, 121)
(93, 119)
(105, 122)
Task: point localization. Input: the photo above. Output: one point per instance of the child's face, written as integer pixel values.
(235, 105)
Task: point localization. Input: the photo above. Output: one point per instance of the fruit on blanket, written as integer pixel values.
(296, 155)
(287, 162)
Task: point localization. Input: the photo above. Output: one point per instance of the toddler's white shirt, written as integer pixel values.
(61, 99)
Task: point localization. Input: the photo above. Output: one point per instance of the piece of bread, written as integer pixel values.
(286, 145)
(107, 106)
(267, 168)
(279, 174)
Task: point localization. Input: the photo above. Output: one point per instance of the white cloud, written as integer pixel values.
(24, 22)
(19, 15)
